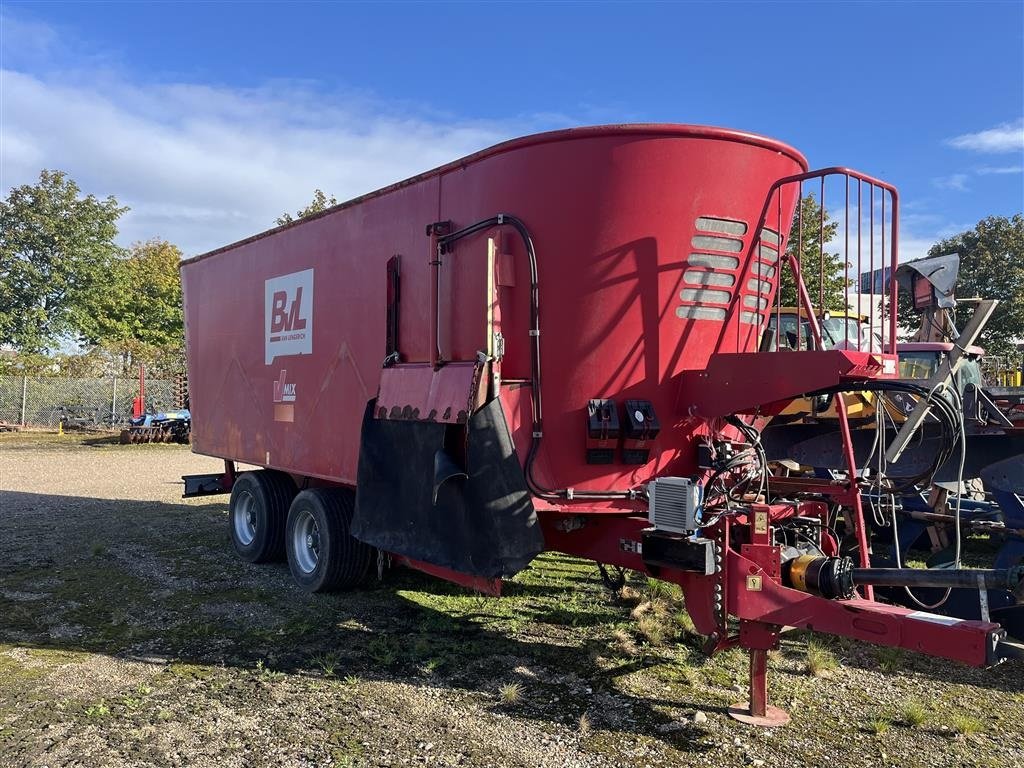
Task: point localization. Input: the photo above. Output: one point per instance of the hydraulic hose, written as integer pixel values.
(444, 244)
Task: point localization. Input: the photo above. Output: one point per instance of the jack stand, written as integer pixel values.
(758, 711)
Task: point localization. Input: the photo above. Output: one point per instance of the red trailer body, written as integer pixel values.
(399, 345)
(614, 212)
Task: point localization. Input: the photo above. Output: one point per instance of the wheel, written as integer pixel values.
(322, 555)
(257, 514)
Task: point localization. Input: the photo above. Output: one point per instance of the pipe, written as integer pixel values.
(943, 578)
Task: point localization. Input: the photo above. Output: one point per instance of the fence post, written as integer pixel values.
(24, 397)
(113, 405)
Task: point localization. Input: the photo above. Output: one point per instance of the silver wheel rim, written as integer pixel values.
(244, 518)
(306, 542)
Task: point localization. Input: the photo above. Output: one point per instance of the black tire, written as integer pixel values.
(322, 555)
(257, 514)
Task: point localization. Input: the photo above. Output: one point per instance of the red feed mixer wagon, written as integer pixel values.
(552, 345)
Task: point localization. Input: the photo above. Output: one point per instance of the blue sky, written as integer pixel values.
(209, 119)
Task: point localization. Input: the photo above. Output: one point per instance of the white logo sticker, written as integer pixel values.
(288, 316)
(284, 392)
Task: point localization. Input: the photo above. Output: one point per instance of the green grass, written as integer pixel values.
(99, 709)
(965, 725)
(879, 725)
(327, 662)
(913, 713)
(890, 659)
(820, 661)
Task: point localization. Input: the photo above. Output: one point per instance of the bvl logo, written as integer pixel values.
(288, 315)
(283, 391)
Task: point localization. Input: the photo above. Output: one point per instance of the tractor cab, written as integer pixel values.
(789, 328)
(921, 359)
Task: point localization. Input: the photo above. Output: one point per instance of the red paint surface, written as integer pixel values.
(612, 213)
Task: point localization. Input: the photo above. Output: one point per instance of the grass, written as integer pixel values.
(965, 725)
(913, 713)
(879, 725)
(820, 661)
(327, 662)
(584, 727)
(99, 709)
(511, 693)
(890, 659)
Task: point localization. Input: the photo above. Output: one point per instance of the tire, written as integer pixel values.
(322, 555)
(257, 514)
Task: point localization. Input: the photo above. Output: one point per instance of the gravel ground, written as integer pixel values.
(130, 635)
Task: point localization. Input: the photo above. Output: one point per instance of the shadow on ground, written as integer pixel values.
(158, 581)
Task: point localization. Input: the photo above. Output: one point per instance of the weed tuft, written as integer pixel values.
(652, 629)
(100, 709)
(879, 725)
(965, 725)
(511, 693)
(821, 662)
(327, 663)
(585, 726)
(890, 659)
(914, 713)
(624, 644)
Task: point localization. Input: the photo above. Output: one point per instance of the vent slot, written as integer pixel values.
(768, 254)
(714, 261)
(770, 236)
(754, 301)
(717, 243)
(700, 313)
(752, 318)
(763, 270)
(759, 286)
(709, 295)
(725, 226)
(697, 277)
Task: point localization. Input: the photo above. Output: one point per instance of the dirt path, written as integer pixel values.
(130, 635)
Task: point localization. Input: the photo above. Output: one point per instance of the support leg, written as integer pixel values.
(758, 711)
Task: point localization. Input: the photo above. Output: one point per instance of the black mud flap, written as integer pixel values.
(409, 502)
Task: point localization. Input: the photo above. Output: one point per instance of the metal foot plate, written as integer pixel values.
(772, 718)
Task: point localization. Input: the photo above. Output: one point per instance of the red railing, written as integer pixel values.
(881, 303)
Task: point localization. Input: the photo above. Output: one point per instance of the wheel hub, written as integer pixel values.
(244, 519)
(304, 543)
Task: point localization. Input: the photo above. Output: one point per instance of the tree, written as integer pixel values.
(814, 266)
(991, 267)
(320, 203)
(55, 250)
(138, 316)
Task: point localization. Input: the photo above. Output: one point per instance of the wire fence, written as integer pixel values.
(45, 401)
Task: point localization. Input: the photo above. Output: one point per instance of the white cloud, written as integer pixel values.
(1002, 169)
(1006, 137)
(955, 181)
(203, 166)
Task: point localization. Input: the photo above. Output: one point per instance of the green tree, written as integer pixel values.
(320, 203)
(824, 273)
(56, 249)
(137, 317)
(991, 267)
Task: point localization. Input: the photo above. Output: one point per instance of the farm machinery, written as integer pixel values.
(149, 425)
(387, 366)
(929, 515)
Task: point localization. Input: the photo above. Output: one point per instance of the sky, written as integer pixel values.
(212, 119)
